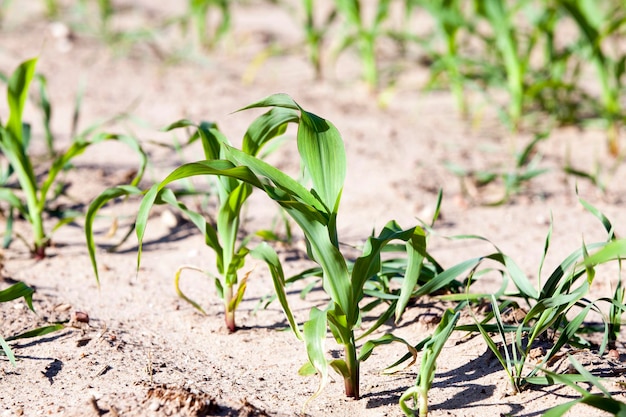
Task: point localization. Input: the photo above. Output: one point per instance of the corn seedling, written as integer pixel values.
(362, 35)
(596, 25)
(315, 211)
(432, 348)
(315, 34)
(198, 15)
(232, 194)
(556, 312)
(450, 20)
(15, 291)
(14, 140)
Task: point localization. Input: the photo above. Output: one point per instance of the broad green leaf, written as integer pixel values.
(416, 252)
(228, 226)
(610, 252)
(266, 127)
(17, 290)
(17, 93)
(275, 100)
(323, 153)
(215, 167)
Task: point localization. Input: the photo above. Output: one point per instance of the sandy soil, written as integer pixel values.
(145, 352)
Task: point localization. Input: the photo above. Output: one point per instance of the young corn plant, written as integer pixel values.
(506, 42)
(33, 195)
(596, 25)
(198, 14)
(432, 348)
(362, 35)
(315, 34)
(223, 236)
(315, 212)
(556, 312)
(450, 20)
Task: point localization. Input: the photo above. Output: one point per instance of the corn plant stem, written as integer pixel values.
(352, 381)
(423, 401)
(456, 84)
(26, 178)
(368, 58)
(229, 314)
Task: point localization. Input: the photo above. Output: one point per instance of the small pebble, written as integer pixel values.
(613, 355)
(154, 406)
(80, 317)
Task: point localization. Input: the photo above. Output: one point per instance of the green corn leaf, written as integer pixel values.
(275, 100)
(215, 167)
(178, 124)
(291, 189)
(210, 235)
(322, 150)
(416, 252)
(7, 351)
(370, 345)
(611, 251)
(341, 367)
(265, 253)
(433, 348)
(446, 277)
(13, 144)
(40, 331)
(14, 201)
(212, 142)
(267, 127)
(17, 93)
(228, 225)
(382, 319)
(99, 202)
(17, 290)
(336, 279)
(610, 230)
(46, 109)
(369, 264)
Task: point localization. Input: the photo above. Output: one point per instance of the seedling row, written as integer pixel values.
(391, 270)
